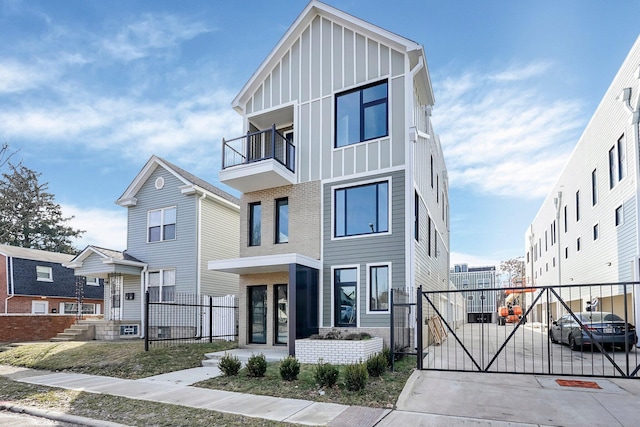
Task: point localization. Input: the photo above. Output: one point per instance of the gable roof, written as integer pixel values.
(34, 254)
(109, 256)
(313, 9)
(192, 184)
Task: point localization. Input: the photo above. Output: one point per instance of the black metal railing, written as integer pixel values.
(552, 330)
(190, 318)
(402, 324)
(258, 146)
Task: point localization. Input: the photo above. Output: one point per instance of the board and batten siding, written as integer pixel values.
(220, 240)
(615, 244)
(179, 254)
(363, 250)
(326, 59)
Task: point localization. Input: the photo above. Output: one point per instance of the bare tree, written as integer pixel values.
(515, 268)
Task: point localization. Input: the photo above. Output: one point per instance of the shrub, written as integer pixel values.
(386, 353)
(355, 376)
(229, 364)
(325, 374)
(377, 364)
(256, 365)
(289, 368)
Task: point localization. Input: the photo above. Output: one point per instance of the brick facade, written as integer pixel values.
(338, 352)
(23, 304)
(16, 328)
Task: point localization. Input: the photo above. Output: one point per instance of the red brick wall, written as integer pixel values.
(16, 327)
(22, 304)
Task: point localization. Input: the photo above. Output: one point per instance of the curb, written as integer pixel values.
(57, 416)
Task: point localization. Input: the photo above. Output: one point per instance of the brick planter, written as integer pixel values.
(337, 352)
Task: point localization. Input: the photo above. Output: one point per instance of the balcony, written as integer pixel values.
(258, 160)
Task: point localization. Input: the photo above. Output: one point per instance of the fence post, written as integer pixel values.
(392, 344)
(146, 321)
(210, 319)
(419, 328)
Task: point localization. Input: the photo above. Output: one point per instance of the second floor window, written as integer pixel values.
(162, 224)
(361, 114)
(44, 274)
(282, 220)
(255, 222)
(362, 210)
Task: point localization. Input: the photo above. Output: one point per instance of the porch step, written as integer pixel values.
(243, 354)
(80, 331)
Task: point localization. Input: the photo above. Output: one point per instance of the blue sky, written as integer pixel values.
(89, 90)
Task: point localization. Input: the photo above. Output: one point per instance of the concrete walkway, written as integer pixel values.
(430, 398)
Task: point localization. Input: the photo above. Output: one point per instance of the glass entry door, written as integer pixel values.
(346, 285)
(115, 286)
(258, 314)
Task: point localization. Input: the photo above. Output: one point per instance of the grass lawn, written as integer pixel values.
(114, 359)
(381, 392)
(119, 409)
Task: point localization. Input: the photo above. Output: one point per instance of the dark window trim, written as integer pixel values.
(251, 241)
(335, 216)
(278, 205)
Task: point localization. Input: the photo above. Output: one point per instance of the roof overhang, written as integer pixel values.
(263, 264)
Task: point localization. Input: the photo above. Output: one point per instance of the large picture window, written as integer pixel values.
(162, 224)
(162, 285)
(255, 222)
(379, 288)
(362, 210)
(361, 114)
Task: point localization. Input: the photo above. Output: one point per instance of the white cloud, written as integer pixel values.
(501, 134)
(17, 77)
(473, 260)
(106, 227)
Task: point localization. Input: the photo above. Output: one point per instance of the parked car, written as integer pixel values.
(605, 328)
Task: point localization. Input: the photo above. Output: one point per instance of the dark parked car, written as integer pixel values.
(605, 328)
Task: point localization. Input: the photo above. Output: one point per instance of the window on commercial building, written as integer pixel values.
(361, 114)
(619, 215)
(566, 226)
(566, 252)
(379, 288)
(416, 216)
(432, 171)
(161, 286)
(255, 222)
(161, 224)
(621, 158)
(594, 187)
(362, 210)
(429, 239)
(596, 232)
(44, 273)
(282, 220)
(578, 205)
(577, 244)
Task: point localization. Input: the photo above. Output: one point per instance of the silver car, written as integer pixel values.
(604, 328)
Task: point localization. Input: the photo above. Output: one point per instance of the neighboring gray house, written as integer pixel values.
(176, 223)
(482, 295)
(345, 190)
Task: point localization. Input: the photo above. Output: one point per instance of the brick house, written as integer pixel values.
(35, 281)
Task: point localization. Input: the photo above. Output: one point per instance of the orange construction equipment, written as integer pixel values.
(511, 311)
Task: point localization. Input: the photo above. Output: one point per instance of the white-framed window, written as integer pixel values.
(44, 273)
(93, 281)
(378, 287)
(39, 307)
(362, 209)
(161, 224)
(161, 285)
(72, 308)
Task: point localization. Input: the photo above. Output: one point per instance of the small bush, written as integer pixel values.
(289, 368)
(229, 364)
(325, 374)
(377, 364)
(355, 376)
(386, 353)
(256, 365)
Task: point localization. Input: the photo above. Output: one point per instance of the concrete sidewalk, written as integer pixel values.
(430, 398)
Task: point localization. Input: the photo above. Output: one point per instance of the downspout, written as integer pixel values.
(199, 237)
(13, 289)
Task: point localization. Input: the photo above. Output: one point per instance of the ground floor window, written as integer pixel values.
(161, 285)
(72, 308)
(281, 313)
(378, 288)
(345, 282)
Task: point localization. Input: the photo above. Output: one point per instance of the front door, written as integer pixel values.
(115, 286)
(346, 285)
(257, 314)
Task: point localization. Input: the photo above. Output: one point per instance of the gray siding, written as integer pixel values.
(220, 240)
(180, 253)
(366, 249)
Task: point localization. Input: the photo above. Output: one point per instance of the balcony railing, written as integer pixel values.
(257, 146)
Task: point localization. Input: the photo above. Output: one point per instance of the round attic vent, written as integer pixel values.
(159, 182)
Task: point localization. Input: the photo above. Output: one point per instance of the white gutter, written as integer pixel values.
(13, 290)
(143, 324)
(199, 237)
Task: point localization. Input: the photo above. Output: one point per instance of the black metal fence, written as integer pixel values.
(581, 330)
(402, 321)
(190, 318)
